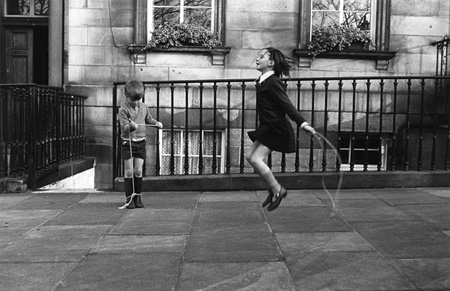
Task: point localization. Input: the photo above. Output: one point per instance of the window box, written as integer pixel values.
(218, 54)
(381, 57)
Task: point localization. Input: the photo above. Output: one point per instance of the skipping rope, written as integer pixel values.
(132, 176)
(323, 141)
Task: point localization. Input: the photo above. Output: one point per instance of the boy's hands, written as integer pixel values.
(309, 129)
(133, 125)
(159, 124)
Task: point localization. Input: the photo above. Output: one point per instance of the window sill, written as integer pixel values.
(218, 54)
(381, 57)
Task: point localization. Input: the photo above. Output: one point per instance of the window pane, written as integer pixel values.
(360, 20)
(325, 5)
(166, 145)
(169, 15)
(355, 13)
(198, 16)
(194, 143)
(324, 18)
(197, 3)
(41, 7)
(18, 7)
(357, 5)
(166, 3)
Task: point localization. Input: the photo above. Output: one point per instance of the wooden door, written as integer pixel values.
(19, 55)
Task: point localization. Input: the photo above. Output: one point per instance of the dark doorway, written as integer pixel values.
(40, 55)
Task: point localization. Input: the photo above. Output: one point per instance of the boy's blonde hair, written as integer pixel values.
(134, 89)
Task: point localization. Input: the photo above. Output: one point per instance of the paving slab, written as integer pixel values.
(105, 197)
(55, 244)
(32, 277)
(296, 198)
(89, 214)
(294, 243)
(236, 196)
(113, 244)
(437, 216)
(438, 191)
(408, 196)
(370, 210)
(9, 235)
(110, 272)
(212, 216)
(170, 200)
(52, 200)
(25, 218)
(305, 219)
(155, 221)
(344, 194)
(428, 274)
(345, 271)
(257, 276)
(233, 243)
(405, 239)
(7, 200)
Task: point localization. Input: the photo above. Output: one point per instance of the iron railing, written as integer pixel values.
(41, 128)
(442, 51)
(376, 123)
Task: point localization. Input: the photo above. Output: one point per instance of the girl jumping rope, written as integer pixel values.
(275, 132)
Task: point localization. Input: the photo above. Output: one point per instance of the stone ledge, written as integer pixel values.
(13, 185)
(381, 57)
(139, 53)
(302, 180)
(66, 170)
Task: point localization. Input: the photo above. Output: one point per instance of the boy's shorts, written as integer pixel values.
(137, 147)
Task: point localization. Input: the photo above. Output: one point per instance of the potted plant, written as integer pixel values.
(337, 38)
(178, 35)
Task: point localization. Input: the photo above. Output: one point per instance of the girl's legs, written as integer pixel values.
(255, 156)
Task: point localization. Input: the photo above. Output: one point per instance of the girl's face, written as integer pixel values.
(263, 62)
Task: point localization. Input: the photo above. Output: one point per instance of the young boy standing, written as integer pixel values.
(133, 115)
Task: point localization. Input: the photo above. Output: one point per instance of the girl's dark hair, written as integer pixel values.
(282, 64)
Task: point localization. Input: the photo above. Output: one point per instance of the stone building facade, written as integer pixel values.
(98, 34)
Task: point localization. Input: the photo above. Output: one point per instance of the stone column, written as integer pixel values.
(55, 43)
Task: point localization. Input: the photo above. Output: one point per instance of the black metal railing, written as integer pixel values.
(442, 51)
(41, 127)
(376, 123)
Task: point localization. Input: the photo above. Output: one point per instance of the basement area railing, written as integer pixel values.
(41, 128)
(379, 123)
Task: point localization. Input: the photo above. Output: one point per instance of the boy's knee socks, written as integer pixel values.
(137, 185)
(128, 186)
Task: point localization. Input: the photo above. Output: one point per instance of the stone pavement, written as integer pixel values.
(381, 239)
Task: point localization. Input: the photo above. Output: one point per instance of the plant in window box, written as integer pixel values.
(179, 35)
(338, 38)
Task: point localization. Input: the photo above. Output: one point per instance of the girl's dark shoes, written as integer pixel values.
(278, 197)
(137, 201)
(268, 199)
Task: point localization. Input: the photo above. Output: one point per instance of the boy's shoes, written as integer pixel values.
(137, 201)
(131, 204)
